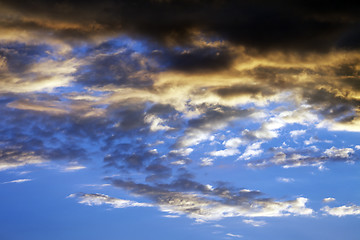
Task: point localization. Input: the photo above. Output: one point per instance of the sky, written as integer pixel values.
(179, 119)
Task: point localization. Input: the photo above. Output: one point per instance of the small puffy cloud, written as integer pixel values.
(101, 199)
(312, 140)
(357, 147)
(252, 151)
(225, 153)
(339, 152)
(302, 115)
(234, 235)
(19, 180)
(254, 223)
(182, 151)
(156, 123)
(234, 143)
(179, 162)
(206, 162)
(268, 130)
(328, 199)
(297, 133)
(285, 180)
(342, 210)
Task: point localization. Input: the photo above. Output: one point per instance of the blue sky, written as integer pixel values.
(179, 119)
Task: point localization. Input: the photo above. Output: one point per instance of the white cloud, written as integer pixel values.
(19, 180)
(100, 199)
(254, 223)
(182, 151)
(342, 210)
(234, 143)
(156, 123)
(268, 130)
(171, 216)
(225, 153)
(252, 151)
(297, 133)
(72, 168)
(339, 152)
(206, 162)
(234, 235)
(285, 180)
(218, 226)
(328, 199)
(312, 140)
(179, 162)
(357, 147)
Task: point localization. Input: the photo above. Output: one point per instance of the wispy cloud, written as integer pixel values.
(285, 180)
(255, 223)
(19, 180)
(234, 235)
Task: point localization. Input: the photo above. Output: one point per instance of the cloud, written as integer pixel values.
(268, 130)
(206, 162)
(225, 153)
(12, 158)
(234, 235)
(289, 158)
(328, 199)
(254, 223)
(201, 208)
(342, 211)
(18, 180)
(74, 167)
(101, 199)
(252, 150)
(285, 180)
(334, 152)
(297, 133)
(109, 81)
(308, 27)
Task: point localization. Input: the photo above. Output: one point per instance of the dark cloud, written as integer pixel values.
(266, 25)
(197, 60)
(239, 90)
(19, 56)
(289, 158)
(114, 63)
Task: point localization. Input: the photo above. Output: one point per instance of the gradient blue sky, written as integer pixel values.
(179, 120)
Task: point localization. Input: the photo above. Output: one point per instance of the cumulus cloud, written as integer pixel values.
(342, 211)
(225, 152)
(334, 152)
(328, 199)
(251, 151)
(206, 162)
